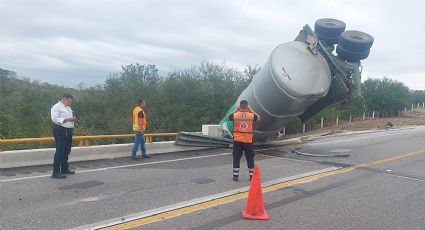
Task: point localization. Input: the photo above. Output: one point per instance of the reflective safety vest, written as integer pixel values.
(242, 127)
(139, 124)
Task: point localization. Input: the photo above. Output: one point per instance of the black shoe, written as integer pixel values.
(134, 158)
(57, 175)
(250, 177)
(235, 178)
(69, 172)
(146, 156)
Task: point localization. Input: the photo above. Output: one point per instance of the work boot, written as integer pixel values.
(235, 178)
(57, 175)
(69, 172)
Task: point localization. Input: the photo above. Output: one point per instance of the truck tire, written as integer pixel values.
(351, 56)
(329, 27)
(356, 41)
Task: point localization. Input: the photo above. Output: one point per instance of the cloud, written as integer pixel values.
(74, 41)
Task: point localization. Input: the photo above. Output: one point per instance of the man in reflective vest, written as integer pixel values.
(243, 132)
(139, 127)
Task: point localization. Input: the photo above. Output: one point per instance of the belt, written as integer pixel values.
(60, 126)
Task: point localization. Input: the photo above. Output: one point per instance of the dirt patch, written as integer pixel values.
(377, 123)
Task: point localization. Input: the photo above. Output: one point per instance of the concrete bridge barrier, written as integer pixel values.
(31, 157)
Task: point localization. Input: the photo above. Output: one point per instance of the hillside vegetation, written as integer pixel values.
(181, 100)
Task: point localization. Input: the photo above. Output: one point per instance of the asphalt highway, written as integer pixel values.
(381, 185)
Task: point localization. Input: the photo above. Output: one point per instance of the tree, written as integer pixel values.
(418, 96)
(386, 95)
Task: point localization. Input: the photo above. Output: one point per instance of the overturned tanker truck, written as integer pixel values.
(300, 78)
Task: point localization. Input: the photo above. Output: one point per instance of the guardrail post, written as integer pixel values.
(321, 123)
(373, 115)
(303, 127)
(148, 139)
(364, 116)
(350, 118)
(84, 142)
(81, 143)
(337, 120)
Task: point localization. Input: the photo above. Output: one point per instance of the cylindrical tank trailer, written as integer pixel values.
(302, 77)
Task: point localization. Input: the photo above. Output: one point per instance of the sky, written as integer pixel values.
(69, 42)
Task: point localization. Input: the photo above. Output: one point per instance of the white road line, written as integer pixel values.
(405, 177)
(117, 167)
(196, 201)
(351, 140)
(124, 166)
(24, 178)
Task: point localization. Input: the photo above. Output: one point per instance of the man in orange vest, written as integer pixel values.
(243, 132)
(139, 127)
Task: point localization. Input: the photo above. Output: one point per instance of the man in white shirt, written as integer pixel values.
(63, 126)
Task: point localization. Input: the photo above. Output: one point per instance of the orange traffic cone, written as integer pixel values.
(254, 206)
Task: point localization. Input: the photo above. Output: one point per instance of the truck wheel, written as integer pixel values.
(351, 56)
(329, 27)
(355, 41)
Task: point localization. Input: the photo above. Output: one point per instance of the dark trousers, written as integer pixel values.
(63, 139)
(238, 149)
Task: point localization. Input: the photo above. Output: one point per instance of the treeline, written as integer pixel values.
(181, 100)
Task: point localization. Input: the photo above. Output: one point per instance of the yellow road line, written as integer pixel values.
(397, 157)
(242, 195)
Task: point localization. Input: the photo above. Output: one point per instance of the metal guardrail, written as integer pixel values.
(85, 140)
